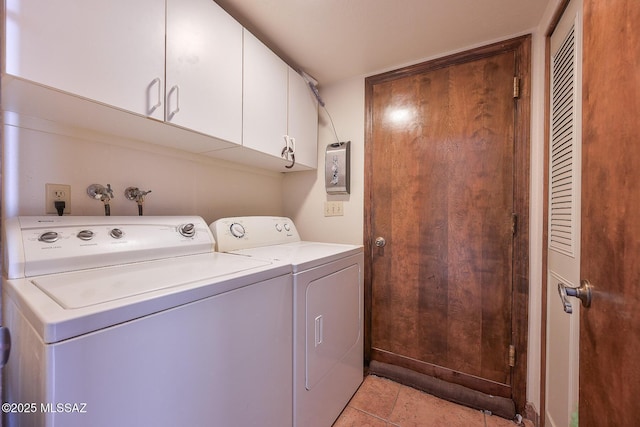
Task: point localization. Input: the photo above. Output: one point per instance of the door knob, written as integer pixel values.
(583, 293)
(380, 242)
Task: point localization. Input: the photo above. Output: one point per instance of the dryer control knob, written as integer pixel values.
(49, 237)
(85, 235)
(187, 230)
(116, 233)
(237, 230)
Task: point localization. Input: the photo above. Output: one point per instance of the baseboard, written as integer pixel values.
(531, 413)
(456, 393)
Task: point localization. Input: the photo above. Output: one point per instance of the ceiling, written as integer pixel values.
(336, 39)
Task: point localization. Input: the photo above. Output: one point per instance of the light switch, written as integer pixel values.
(335, 208)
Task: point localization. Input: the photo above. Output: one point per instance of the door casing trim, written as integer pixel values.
(545, 209)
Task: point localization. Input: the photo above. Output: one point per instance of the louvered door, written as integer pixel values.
(561, 395)
(562, 207)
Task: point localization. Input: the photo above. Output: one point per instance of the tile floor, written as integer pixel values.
(380, 402)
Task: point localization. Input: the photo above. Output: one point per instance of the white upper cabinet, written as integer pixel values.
(113, 52)
(204, 69)
(303, 120)
(264, 98)
(279, 110)
(209, 85)
(108, 51)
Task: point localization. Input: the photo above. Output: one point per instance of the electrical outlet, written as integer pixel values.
(57, 193)
(333, 208)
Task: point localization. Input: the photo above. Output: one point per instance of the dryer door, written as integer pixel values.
(333, 320)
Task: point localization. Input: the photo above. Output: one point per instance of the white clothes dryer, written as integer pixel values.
(137, 321)
(328, 310)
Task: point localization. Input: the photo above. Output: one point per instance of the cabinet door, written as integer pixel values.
(204, 69)
(303, 120)
(265, 98)
(108, 51)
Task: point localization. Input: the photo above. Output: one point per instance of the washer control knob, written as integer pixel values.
(287, 226)
(116, 233)
(237, 230)
(85, 235)
(49, 237)
(279, 228)
(187, 230)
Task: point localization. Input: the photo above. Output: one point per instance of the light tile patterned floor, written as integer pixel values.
(380, 402)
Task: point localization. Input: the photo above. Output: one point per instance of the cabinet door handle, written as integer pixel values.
(292, 150)
(293, 161)
(158, 103)
(176, 110)
(288, 152)
(287, 149)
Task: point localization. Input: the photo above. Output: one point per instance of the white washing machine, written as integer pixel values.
(328, 310)
(137, 321)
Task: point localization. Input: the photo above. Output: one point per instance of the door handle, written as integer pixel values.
(5, 345)
(289, 151)
(380, 242)
(583, 293)
(172, 113)
(319, 331)
(158, 103)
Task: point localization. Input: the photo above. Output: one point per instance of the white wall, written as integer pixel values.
(36, 152)
(304, 192)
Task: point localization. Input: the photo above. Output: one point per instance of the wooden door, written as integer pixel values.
(442, 187)
(610, 328)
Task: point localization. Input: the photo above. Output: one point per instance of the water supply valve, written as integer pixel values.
(102, 193)
(137, 195)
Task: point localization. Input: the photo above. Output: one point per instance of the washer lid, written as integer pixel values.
(90, 287)
(65, 305)
(302, 255)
